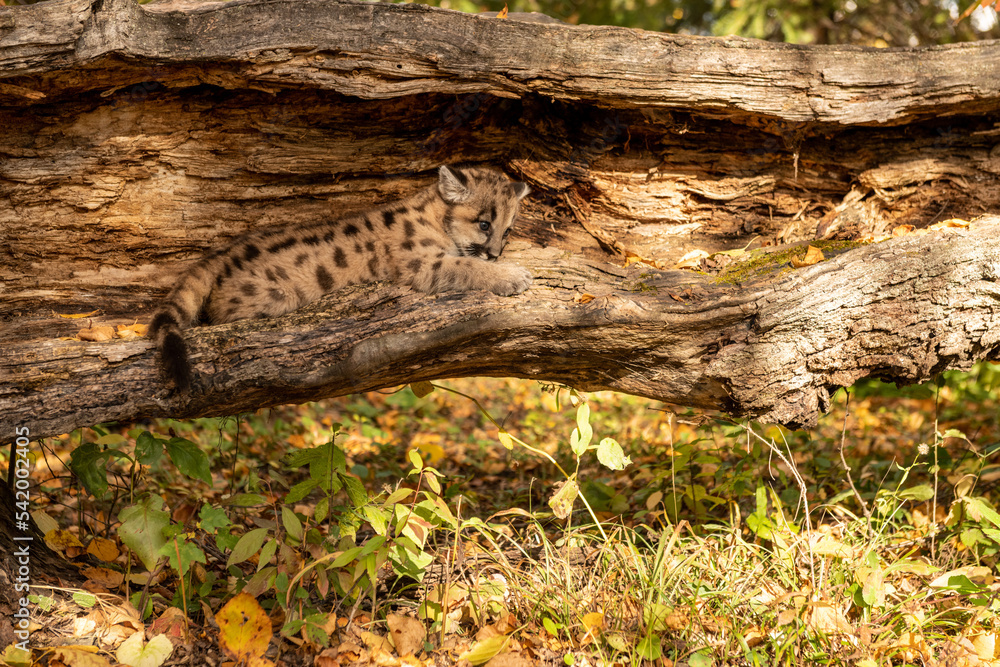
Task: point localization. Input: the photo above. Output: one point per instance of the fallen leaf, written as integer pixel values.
(153, 653)
(77, 656)
(103, 549)
(172, 623)
(96, 334)
(407, 634)
(244, 628)
(985, 645)
(813, 256)
(753, 636)
(691, 260)
(632, 258)
(785, 617)
(977, 574)
(950, 223)
(583, 298)
(913, 647)
(104, 576)
(828, 545)
(128, 331)
(77, 316)
(375, 643)
(593, 623)
(827, 619)
(61, 540)
(502, 14)
(902, 230)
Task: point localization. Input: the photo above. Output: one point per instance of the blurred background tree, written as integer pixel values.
(864, 22)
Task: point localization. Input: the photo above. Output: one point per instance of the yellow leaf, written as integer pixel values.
(60, 540)
(505, 439)
(562, 500)
(77, 316)
(977, 574)
(432, 452)
(593, 621)
(485, 650)
(502, 14)
(902, 230)
(244, 628)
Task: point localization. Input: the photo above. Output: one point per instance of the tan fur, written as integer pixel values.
(432, 241)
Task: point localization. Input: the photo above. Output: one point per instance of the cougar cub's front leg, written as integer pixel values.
(446, 273)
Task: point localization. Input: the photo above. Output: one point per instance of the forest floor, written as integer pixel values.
(510, 523)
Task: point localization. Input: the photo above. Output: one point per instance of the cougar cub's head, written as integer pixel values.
(482, 204)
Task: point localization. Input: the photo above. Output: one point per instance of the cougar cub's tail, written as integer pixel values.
(180, 311)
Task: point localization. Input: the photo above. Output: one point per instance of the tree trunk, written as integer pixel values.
(136, 137)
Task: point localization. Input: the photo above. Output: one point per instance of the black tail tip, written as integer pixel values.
(173, 355)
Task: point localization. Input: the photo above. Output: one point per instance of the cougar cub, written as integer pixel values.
(446, 237)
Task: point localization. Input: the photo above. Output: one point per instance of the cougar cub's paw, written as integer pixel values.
(512, 280)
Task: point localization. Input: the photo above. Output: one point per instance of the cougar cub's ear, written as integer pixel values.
(452, 185)
(521, 190)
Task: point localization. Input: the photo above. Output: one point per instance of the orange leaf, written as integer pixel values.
(583, 298)
(502, 14)
(96, 334)
(813, 256)
(77, 316)
(103, 549)
(129, 331)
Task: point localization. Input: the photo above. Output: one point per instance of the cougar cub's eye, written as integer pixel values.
(484, 225)
(506, 232)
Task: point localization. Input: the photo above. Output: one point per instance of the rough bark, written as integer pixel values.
(138, 136)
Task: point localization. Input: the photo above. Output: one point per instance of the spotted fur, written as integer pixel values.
(446, 237)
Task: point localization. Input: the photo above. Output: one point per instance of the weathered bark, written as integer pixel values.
(136, 137)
